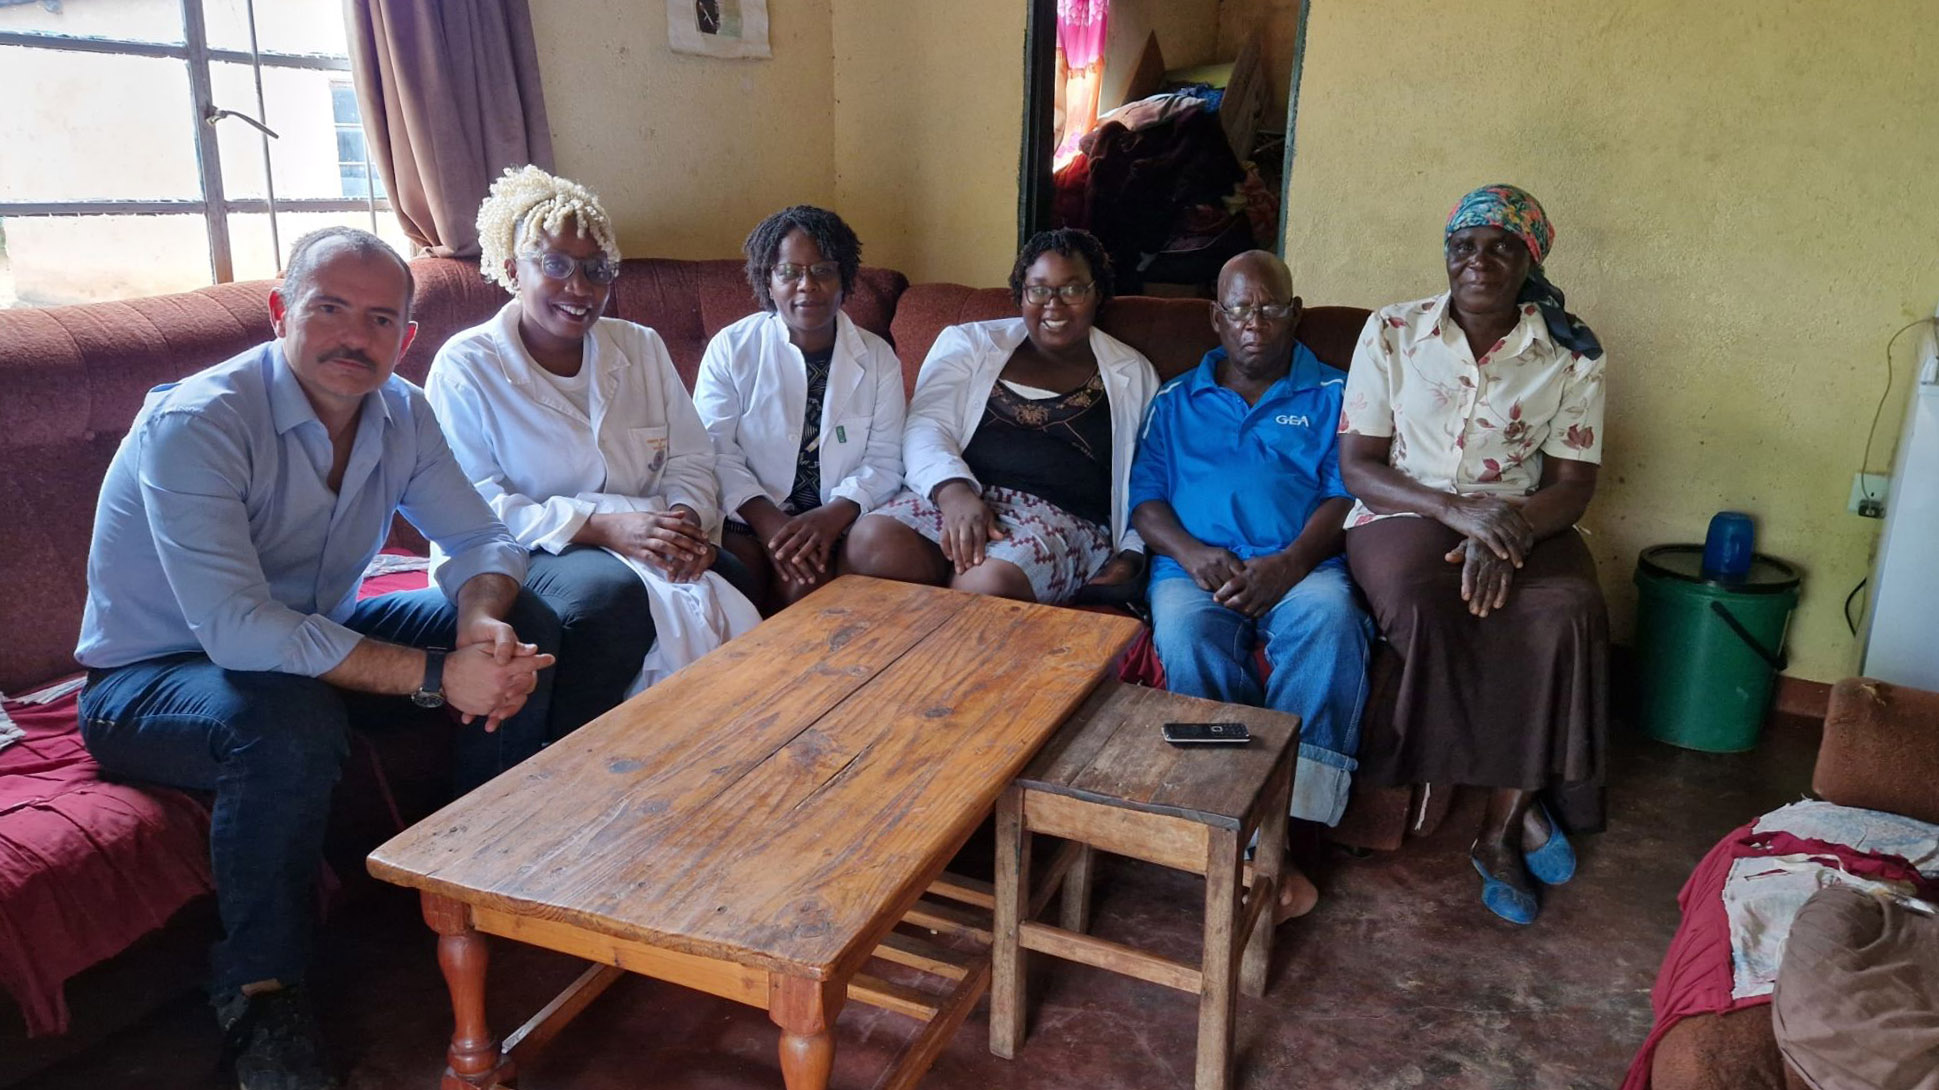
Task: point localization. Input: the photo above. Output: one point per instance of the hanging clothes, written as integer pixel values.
(1081, 26)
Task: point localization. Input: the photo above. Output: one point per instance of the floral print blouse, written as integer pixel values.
(1464, 425)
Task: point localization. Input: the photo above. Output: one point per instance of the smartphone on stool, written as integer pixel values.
(1207, 734)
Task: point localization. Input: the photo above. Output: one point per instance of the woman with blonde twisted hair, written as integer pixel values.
(579, 434)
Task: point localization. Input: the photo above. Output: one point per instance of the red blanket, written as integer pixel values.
(86, 866)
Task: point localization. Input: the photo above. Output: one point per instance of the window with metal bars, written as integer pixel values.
(161, 145)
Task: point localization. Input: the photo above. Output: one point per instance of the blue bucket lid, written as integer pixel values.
(1767, 575)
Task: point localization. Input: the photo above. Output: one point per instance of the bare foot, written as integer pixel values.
(1297, 893)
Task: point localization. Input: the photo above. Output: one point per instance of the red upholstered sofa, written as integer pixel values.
(71, 380)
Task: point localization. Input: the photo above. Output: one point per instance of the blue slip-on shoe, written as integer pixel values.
(1553, 863)
(1505, 900)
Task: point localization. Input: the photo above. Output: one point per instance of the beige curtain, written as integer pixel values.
(449, 91)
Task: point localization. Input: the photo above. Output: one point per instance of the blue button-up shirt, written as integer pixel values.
(1241, 477)
(217, 530)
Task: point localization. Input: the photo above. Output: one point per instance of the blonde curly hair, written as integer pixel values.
(527, 202)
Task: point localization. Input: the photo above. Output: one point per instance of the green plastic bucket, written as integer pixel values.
(1708, 653)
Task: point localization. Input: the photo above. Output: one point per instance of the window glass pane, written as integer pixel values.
(91, 126)
(350, 145)
(343, 102)
(282, 26)
(51, 260)
(256, 260)
(355, 182)
(128, 20)
(299, 107)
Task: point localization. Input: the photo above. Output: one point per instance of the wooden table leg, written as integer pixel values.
(1269, 862)
(805, 1010)
(473, 1060)
(1074, 911)
(1012, 897)
(1217, 998)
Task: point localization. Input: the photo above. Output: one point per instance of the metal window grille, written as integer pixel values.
(215, 206)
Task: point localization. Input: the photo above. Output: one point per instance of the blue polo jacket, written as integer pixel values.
(1243, 477)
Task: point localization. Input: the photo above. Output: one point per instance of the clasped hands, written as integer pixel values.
(1497, 540)
(671, 541)
(1250, 586)
(490, 673)
(801, 546)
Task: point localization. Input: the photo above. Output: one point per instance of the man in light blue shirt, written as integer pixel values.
(1236, 489)
(226, 649)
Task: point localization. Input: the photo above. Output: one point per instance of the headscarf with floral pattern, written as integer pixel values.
(1516, 211)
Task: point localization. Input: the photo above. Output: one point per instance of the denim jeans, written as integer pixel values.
(605, 629)
(1316, 639)
(271, 747)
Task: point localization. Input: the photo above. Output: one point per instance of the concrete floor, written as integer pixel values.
(1399, 979)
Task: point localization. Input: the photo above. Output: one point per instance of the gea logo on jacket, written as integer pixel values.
(1299, 419)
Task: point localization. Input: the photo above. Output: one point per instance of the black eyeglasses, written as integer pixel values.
(1244, 312)
(1039, 294)
(599, 269)
(822, 271)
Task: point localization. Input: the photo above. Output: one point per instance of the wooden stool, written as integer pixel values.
(1109, 781)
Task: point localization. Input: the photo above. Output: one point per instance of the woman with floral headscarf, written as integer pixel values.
(1471, 435)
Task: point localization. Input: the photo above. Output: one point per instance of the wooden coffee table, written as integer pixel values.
(755, 826)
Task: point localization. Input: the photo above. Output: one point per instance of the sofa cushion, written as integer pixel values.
(1881, 749)
(86, 866)
(1857, 998)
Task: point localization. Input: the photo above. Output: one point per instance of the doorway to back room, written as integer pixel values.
(1160, 126)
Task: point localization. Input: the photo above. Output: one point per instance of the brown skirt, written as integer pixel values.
(1518, 698)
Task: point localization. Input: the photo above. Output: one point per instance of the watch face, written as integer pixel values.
(424, 698)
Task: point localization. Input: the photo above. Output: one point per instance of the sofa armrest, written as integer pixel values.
(1881, 749)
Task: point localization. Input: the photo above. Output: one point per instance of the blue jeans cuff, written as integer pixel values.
(1320, 787)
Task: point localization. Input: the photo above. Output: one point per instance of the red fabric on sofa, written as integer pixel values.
(86, 866)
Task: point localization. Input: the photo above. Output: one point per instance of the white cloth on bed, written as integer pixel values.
(1763, 894)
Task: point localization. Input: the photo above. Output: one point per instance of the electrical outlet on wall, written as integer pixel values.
(1868, 492)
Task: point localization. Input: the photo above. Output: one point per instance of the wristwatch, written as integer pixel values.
(431, 693)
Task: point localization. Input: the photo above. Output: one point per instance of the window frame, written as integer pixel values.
(215, 206)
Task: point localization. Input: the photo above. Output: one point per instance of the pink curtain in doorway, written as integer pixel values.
(450, 97)
(1081, 31)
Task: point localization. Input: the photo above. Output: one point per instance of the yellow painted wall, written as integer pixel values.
(1746, 195)
(928, 123)
(688, 153)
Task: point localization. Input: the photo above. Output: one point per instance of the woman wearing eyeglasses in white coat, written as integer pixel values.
(1018, 443)
(805, 407)
(578, 432)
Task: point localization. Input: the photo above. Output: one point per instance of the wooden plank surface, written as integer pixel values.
(1113, 751)
(782, 801)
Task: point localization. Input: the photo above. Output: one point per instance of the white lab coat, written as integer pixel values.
(545, 467)
(752, 394)
(954, 386)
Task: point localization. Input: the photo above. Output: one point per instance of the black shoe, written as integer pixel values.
(273, 1041)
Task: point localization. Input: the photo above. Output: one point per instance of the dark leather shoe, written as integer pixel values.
(273, 1042)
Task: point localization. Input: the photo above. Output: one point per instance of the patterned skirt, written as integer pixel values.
(1057, 551)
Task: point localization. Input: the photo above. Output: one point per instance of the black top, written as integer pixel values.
(1057, 449)
(806, 493)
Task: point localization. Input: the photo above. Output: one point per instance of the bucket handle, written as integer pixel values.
(1777, 660)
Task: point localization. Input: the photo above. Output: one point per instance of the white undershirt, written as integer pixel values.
(577, 389)
(1034, 393)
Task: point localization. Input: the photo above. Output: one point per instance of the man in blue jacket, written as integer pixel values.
(1236, 490)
